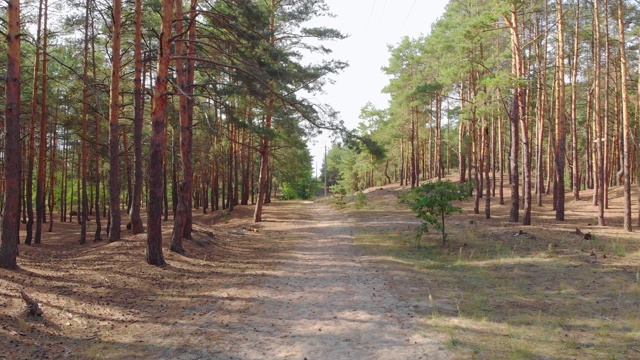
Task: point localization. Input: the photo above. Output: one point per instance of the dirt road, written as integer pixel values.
(323, 301)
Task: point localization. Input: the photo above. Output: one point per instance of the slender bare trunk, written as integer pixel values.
(114, 131)
(626, 132)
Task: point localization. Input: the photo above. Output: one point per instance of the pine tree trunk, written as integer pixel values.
(114, 131)
(52, 170)
(42, 145)
(97, 236)
(138, 118)
(626, 132)
(156, 156)
(186, 145)
(599, 193)
(561, 120)
(83, 209)
(9, 236)
(487, 160)
(32, 132)
(574, 106)
(263, 182)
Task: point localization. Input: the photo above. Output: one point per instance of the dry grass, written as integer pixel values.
(506, 291)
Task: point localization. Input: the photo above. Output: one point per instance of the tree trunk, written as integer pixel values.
(83, 209)
(12, 156)
(626, 132)
(574, 106)
(561, 119)
(114, 131)
(42, 145)
(138, 118)
(32, 132)
(599, 140)
(156, 156)
(52, 170)
(514, 117)
(184, 206)
(487, 160)
(96, 121)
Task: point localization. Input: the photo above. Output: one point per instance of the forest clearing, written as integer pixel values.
(318, 280)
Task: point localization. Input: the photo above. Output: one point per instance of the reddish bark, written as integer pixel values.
(12, 154)
(156, 156)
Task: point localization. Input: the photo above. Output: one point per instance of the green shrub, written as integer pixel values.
(339, 192)
(433, 201)
(361, 200)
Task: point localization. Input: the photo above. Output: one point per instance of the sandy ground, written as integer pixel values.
(293, 287)
(321, 301)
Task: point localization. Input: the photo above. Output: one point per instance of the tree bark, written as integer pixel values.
(561, 119)
(599, 193)
(97, 236)
(12, 155)
(84, 208)
(32, 132)
(626, 132)
(42, 144)
(138, 118)
(574, 106)
(114, 131)
(156, 157)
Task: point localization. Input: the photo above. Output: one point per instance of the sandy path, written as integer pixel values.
(323, 301)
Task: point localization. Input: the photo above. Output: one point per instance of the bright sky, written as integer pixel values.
(372, 25)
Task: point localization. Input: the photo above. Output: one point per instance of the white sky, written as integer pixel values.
(372, 25)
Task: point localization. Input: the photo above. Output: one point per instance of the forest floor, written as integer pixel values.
(320, 281)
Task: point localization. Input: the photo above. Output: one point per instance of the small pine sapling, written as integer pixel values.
(432, 201)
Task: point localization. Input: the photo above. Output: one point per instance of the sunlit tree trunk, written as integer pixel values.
(599, 139)
(626, 171)
(574, 106)
(263, 182)
(518, 99)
